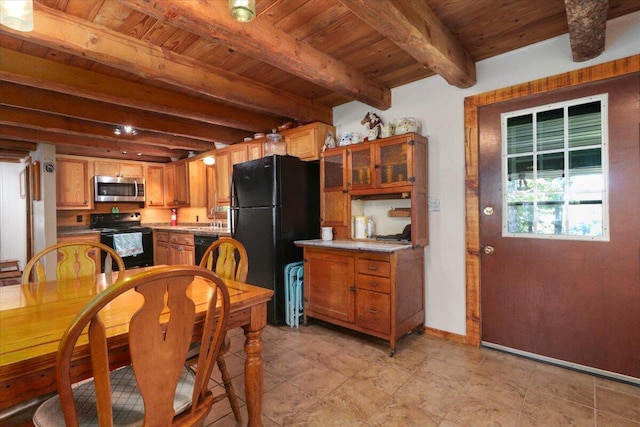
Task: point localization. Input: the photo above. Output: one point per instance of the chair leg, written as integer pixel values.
(228, 386)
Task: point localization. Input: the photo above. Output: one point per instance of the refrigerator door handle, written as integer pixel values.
(232, 207)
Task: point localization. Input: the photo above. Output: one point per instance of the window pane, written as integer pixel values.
(550, 218)
(550, 135)
(520, 134)
(520, 174)
(550, 172)
(520, 217)
(585, 219)
(584, 124)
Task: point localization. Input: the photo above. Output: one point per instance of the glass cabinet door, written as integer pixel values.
(394, 163)
(361, 159)
(333, 170)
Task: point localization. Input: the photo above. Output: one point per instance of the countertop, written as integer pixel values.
(186, 228)
(355, 245)
(195, 229)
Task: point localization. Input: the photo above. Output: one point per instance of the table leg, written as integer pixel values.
(253, 374)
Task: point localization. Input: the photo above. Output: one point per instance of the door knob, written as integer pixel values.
(488, 250)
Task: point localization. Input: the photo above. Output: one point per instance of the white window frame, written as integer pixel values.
(603, 98)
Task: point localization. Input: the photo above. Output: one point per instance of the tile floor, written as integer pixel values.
(323, 376)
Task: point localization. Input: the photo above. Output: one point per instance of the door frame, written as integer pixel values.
(591, 74)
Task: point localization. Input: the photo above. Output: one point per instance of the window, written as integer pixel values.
(554, 171)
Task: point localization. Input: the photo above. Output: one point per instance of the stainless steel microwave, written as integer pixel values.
(118, 189)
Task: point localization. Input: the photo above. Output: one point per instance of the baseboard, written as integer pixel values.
(450, 336)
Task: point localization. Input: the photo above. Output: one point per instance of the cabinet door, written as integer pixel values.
(106, 168)
(302, 144)
(154, 185)
(335, 206)
(238, 153)
(361, 167)
(329, 286)
(223, 176)
(73, 189)
(161, 254)
(255, 150)
(181, 254)
(131, 170)
(197, 184)
(393, 163)
(177, 185)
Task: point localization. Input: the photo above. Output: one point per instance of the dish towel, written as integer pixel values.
(128, 244)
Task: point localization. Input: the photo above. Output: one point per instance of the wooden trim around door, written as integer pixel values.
(595, 73)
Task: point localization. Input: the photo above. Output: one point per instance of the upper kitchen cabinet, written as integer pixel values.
(154, 184)
(73, 183)
(389, 165)
(197, 184)
(123, 169)
(176, 184)
(335, 201)
(306, 141)
(223, 177)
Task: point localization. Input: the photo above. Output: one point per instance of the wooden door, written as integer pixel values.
(571, 300)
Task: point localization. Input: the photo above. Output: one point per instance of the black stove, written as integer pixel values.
(124, 233)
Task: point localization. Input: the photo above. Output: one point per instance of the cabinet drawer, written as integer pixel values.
(182, 239)
(162, 236)
(373, 283)
(376, 268)
(373, 311)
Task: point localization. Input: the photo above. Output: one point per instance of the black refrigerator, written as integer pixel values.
(275, 201)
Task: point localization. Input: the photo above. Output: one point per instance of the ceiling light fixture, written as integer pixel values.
(209, 160)
(17, 14)
(125, 130)
(242, 10)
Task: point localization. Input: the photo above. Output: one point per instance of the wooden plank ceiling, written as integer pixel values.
(184, 74)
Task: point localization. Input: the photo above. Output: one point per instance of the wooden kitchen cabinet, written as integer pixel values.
(197, 184)
(73, 183)
(123, 169)
(154, 186)
(94, 254)
(176, 184)
(161, 247)
(376, 293)
(306, 141)
(181, 249)
(335, 206)
(173, 248)
(388, 168)
(223, 176)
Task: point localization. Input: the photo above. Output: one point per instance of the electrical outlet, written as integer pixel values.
(78, 218)
(434, 204)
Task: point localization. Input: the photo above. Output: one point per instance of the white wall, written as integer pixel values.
(440, 109)
(13, 224)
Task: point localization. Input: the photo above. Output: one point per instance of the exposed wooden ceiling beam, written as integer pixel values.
(78, 37)
(21, 145)
(40, 73)
(38, 120)
(52, 137)
(416, 29)
(261, 40)
(587, 21)
(71, 106)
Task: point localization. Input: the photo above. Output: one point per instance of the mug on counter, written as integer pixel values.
(327, 233)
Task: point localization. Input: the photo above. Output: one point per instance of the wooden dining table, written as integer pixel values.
(34, 317)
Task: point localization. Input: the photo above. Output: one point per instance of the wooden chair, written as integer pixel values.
(228, 258)
(75, 259)
(156, 389)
